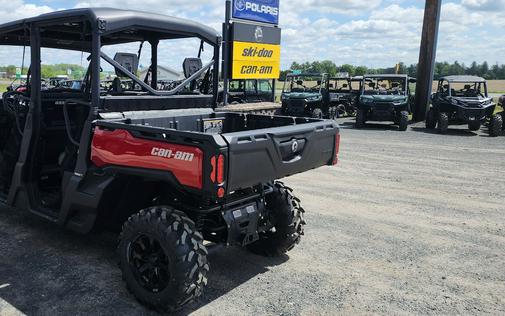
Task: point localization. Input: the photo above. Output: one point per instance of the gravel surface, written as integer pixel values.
(407, 223)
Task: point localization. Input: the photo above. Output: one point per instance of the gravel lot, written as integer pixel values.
(407, 223)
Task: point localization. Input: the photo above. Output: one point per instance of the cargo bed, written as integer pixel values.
(258, 148)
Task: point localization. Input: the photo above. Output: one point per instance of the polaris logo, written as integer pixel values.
(242, 5)
(169, 154)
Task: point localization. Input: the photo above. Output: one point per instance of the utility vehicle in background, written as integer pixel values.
(307, 95)
(159, 166)
(384, 98)
(343, 93)
(248, 91)
(463, 100)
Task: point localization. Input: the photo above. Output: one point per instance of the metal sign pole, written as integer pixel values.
(226, 51)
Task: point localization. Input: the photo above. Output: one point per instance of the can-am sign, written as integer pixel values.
(265, 11)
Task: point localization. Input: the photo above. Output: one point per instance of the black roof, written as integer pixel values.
(118, 26)
(392, 76)
(463, 79)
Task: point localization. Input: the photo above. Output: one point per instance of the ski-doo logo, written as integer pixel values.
(168, 153)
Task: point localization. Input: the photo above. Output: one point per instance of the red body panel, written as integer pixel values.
(120, 148)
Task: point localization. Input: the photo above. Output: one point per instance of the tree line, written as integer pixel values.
(494, 72)
(49, 71)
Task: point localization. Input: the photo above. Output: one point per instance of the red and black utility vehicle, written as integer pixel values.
(159, 166)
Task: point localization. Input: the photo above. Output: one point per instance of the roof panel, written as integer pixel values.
(117, 20)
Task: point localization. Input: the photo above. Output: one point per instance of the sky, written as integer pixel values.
(373, 33)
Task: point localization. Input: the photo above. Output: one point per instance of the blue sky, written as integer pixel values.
(374, 33)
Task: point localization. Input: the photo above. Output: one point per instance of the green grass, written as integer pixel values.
(3, 87)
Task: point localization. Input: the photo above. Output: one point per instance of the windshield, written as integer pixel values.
(303, 84)
(467, 89)
(385, 86)
(339, 85)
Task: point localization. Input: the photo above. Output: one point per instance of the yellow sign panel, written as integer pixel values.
(255, 61)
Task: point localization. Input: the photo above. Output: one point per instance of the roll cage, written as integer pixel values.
(295, 82)
(87, 31)
(463, 87)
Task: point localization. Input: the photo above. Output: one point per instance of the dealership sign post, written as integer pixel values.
(251, 44)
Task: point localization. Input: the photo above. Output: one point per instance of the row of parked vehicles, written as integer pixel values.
(458, 100)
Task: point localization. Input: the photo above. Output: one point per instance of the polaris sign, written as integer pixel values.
(265, 11)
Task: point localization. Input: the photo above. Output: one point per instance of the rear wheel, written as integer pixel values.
(360, 118)
(443, 122)
(403, 121)
(496, 125)
(286, 214)
(317, 113)
(162, 257)
(474, 126)
(431, 121)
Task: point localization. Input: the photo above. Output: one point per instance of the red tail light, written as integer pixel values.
(217, 174)
(337, 148)
(220, 169)
(213, 171)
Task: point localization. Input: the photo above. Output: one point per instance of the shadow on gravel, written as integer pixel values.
(45, 269)
(450, 132)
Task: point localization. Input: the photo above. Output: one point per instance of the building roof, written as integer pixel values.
(126, 25)
(463, 79)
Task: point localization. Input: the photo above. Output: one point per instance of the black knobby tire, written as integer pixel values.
(333, 113)
(442, 122)
(287, 214)
(162, 258)
(403, 121)
(474, 126)
(360, 119)
(495, 125)
(317, 113)
(341, 110)
(431, 120)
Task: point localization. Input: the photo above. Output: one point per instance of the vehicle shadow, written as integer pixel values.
(45, 269)
(450, 131)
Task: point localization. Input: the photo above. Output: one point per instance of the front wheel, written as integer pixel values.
(333, 113)
(163, 259)
(431, 121)
(403, 121)
(443, 122)
(286, 215)
(360, 119)
(496, 125)
(317, 113)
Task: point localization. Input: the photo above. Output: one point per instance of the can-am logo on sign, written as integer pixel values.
(266, 11)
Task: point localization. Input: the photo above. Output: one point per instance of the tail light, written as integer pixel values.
(337, 148)
(220, 169)
(217, 175)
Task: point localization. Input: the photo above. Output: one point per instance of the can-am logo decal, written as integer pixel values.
(294, 146)
(170, 154)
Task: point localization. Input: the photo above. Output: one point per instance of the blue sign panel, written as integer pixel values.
(265, 11)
